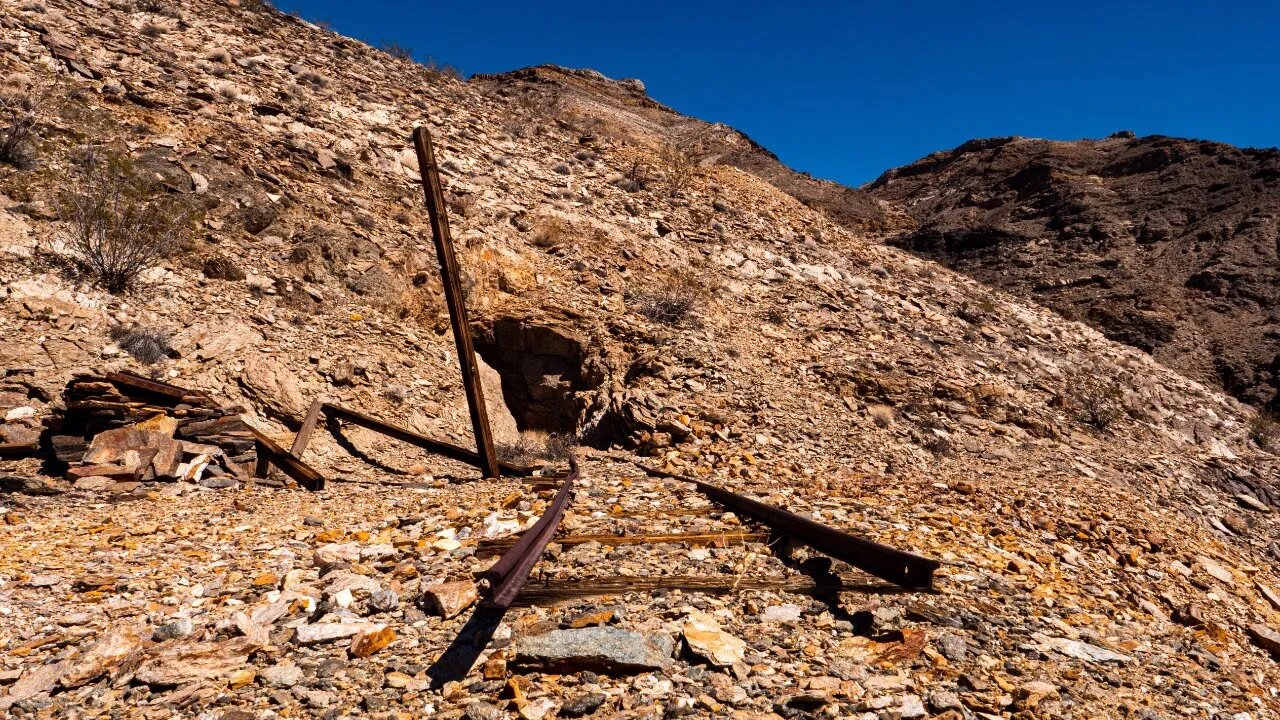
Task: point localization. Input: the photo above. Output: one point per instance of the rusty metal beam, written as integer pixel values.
(450, 278)
(271, 453)
(509, 574)
(901, 568)
(440, 447)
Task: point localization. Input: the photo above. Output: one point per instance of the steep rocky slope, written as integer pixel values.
(1120, 568)
(1165, 244)
(621, 107)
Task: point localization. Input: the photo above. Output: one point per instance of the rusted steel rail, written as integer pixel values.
(509, 574)
(899, 567)
(440, 447)
(450, 278)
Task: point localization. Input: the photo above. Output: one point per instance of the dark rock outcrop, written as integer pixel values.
(1166, 244)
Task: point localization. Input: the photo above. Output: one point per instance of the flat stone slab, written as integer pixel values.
(600, 649)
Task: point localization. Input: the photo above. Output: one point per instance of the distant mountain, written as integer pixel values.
(1166, 244)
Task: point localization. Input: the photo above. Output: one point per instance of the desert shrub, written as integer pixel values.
(882, 415)
(534, 448)
(397, 51)
(676, 295)
(443, 70)
(1094, 400)
(19, 115)
(147, 345)
(152, 30)
(396, 393)
(1264, 430)
(461, 205)
(549, 234)
(636, 178)
(313, 79)
(678, 169)
(120, 222)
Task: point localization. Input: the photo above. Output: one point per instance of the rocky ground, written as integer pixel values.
(1106, 525)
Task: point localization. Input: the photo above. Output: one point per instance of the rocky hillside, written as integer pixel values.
(622, 109)
(1168, 245)
(1106, 525)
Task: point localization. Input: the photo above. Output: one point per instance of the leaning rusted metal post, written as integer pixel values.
(450, 277)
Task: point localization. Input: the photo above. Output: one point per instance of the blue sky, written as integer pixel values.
(847, 90)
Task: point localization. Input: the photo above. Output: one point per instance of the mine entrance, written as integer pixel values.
(541, 371)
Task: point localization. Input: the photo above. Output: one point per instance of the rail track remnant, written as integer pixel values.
(509, 574)
(887, 563)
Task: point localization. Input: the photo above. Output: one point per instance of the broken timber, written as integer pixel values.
(488, 548)
(269, 453)
(440, 447)
(901, 568)
(449, 276)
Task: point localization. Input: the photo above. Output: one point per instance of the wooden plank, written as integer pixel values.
(716, 539)
(304, 474)
(19, 449)
(440, 447)
(308, 426)
(552, 590)
(155, 387)
(454, 299)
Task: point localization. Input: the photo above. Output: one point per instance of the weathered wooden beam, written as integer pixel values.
(302, 473)
(714, 539)
(440, 447)
(554, 590)
(155, 387)
(308, 426)
(450, 277)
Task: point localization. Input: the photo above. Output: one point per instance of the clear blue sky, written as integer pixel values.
(846, 90)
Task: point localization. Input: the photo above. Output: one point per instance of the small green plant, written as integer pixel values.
(119, 222)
